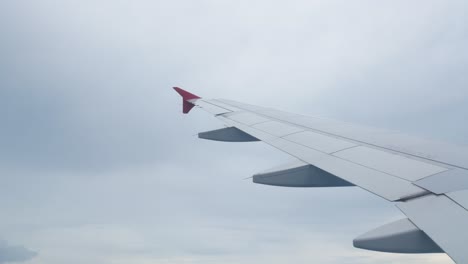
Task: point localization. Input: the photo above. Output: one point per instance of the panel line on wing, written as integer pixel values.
(341, 158)
(443, 220)
(224, 105)
(382, 184)
(390, 163)
(331, 153)
(409, 155)
(453, 197)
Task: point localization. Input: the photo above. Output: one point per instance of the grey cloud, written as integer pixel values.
(13, 254)
(78, 116)
(94, 146)
(91, 92)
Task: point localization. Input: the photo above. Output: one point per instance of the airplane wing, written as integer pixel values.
(427, 180)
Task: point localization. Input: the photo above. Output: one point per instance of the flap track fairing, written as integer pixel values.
(227, 134)
(401, 236)
(299, 174)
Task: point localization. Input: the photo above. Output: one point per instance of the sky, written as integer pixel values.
(99, 166)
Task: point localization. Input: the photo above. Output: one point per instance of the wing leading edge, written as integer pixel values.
(426, 184)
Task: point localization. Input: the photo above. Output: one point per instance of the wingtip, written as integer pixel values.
(186, 95)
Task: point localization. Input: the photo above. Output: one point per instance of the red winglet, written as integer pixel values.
(187, 106)
(186, 95)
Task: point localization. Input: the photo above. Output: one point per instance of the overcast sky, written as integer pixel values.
(99, 166)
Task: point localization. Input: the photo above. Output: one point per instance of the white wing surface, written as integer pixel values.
(427, 180)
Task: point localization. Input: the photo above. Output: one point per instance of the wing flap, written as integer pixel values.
(447, 181)
(319, 141)
(443, 220)
(277, 128)
(396, 165)
(460, 197)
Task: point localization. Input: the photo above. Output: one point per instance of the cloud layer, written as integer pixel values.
(11, 254)
(97, 164)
